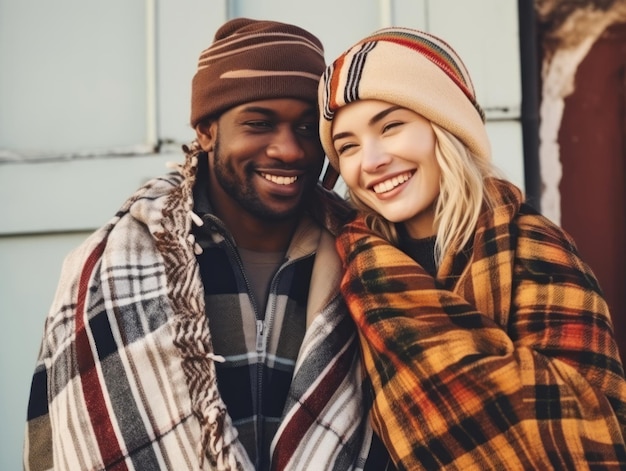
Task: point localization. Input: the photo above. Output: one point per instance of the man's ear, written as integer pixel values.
(206, 131)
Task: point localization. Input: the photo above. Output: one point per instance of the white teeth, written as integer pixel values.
(280, 180)
(390, 184)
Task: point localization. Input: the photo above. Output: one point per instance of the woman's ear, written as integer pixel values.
(206, 131)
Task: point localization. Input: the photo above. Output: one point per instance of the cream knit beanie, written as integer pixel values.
(410, 68)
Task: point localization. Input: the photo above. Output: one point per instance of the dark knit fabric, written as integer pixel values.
(420, 250)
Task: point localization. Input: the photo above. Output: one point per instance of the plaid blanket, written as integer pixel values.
(506, 360)
(126, 378)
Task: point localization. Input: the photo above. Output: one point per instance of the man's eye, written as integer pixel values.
(259, 124)
(308, 129)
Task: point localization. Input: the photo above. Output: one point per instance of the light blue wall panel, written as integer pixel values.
(184, 30)
(485, 33)
(506, 147)
(411, 13)
(79, 194)
(72, 77)
(336, 23)
(29, 269)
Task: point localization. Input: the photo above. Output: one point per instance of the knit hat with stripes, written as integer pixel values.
(252, 60)
(410, 68)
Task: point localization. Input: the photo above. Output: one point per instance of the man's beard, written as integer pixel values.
(243, 191)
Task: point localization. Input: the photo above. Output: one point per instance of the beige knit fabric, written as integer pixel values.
(409, 68)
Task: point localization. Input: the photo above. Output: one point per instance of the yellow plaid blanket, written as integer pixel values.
(506, 360)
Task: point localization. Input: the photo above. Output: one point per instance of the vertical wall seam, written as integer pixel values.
(152, 133)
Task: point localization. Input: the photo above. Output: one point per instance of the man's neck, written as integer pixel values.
(253, 234)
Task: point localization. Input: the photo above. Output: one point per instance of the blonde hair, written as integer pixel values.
(461, 196)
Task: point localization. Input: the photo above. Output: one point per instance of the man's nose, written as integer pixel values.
(285, 146)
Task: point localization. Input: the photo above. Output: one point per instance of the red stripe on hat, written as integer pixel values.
(334, 83)
(437, 59)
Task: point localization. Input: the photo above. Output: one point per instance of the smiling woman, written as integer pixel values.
(485, 337)
(387, 159)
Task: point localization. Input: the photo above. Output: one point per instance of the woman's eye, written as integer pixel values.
(344, 148)
(391, 125)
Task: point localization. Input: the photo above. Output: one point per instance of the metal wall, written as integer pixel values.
(592, 142)
(94, 100)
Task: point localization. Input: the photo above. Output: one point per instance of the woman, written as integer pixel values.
(485, 337)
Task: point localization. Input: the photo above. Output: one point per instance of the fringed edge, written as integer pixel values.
(218, 440)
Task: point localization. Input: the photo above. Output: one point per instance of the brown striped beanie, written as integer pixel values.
(410, 68)
(252, 60)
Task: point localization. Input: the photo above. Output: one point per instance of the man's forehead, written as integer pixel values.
(277, 107)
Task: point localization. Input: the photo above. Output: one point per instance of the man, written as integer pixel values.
(203, 328)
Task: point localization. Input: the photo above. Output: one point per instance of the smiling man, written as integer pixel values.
(203, 327)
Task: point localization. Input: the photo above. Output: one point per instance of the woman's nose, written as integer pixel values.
(374, 157)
